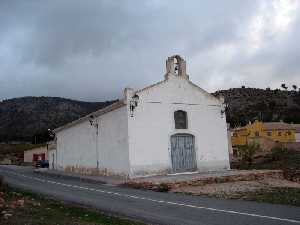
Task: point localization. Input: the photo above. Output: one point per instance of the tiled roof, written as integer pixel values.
(277, 126)
(99, 112)
(296, 127)
(238, 129)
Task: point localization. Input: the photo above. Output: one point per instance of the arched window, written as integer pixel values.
(180, 118)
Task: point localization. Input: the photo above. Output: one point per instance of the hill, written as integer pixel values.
(29, 118)
(248, 104)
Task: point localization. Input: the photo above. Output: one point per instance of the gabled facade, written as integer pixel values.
(172, 126)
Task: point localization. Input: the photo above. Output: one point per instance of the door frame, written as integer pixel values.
(170, 150)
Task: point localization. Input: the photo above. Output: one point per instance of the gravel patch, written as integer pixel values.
(237, 187)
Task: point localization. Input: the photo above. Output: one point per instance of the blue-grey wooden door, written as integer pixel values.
(183, 153)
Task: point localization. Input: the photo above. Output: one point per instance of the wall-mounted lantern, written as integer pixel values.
(94, 123)
(91, 119)
(51, 134)
(223, 109)
(133, 104)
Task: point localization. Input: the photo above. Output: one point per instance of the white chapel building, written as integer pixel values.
(172, 126)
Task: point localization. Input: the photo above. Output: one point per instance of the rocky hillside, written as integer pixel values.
(29, 118)
(248, 104)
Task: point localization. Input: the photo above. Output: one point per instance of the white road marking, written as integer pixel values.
(158, 201)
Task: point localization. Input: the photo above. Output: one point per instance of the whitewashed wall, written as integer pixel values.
(113, 136)
(52, 158)
(140, 145)
(153, 124)
(28, 155)
(76, 146)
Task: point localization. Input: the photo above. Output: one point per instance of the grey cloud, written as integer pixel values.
(91, 50)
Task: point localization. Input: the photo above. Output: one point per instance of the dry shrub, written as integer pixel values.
(291, 174)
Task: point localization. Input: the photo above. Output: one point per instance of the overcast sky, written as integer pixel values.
(91, 50)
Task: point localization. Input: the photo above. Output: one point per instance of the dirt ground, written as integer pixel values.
(237, 187)
(19, 208)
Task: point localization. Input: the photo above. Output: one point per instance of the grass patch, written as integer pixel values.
(273, 195)
(39, 210)
(286, 196)
(278, 158)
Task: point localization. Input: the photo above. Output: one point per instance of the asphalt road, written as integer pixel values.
(152, 207)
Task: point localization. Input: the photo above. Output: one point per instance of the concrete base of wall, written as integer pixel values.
(149, 170)
(144, 171)
(92, 171)
(204, 166)
(161, 169)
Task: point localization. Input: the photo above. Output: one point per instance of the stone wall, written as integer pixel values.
(243, 175)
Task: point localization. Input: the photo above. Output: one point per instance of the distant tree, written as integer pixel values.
(41, 136)
(243, 86)
(268, 89)
(284, 86)
(295, 87)
(272, 104)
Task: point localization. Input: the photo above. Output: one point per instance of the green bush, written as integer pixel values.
(276, 195)
(284, 159)
(279, 153)
(289, 161)
(290, 158)
(247, 152)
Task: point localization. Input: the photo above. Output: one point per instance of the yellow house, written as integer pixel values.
(276, 131)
